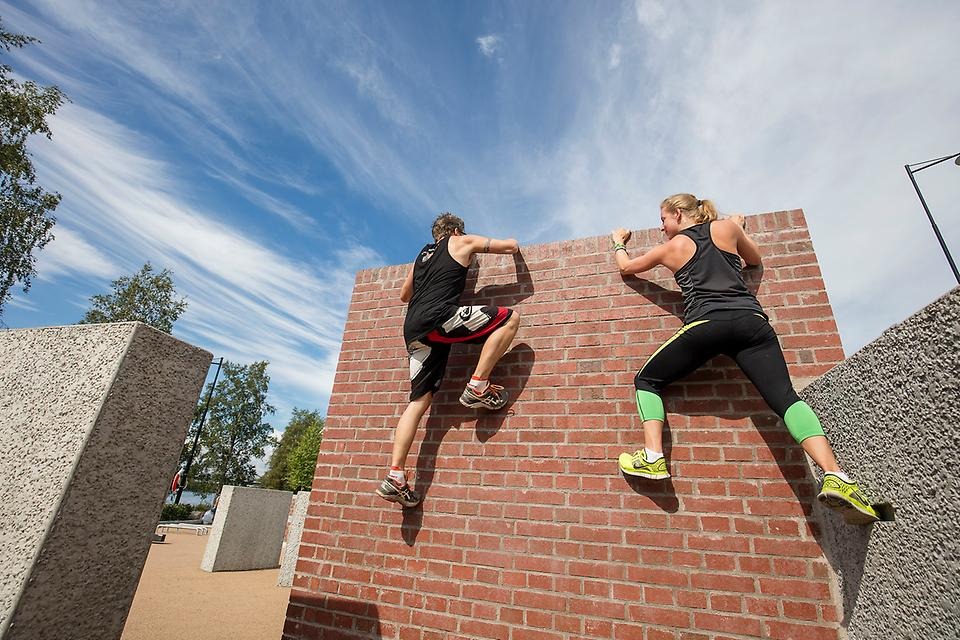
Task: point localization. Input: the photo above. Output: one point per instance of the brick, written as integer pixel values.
(795, 588)
(658, 616)
(731, 604)
(800, 610)
(738, 624)
(720, 582)
(789, 631)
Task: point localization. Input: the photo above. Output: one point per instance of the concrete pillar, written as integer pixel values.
(92, 420)
(292, 542)
(892, 411)
(248, 530)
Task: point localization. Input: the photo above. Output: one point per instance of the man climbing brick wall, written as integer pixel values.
(527, 529)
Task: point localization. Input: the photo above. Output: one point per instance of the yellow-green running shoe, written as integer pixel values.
(635, 464)
(846, 498)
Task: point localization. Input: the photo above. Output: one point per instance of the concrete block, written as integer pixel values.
(248, 530)
(292, 542)
(92, 420)
(892, 412)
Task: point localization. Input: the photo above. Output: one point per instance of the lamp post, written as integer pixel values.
(196, 437)
(920, 166)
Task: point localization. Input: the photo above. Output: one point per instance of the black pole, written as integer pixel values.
(936, 230)
(196, 437)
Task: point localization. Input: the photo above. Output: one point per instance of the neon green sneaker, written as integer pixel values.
(846, 498)
(635, 464)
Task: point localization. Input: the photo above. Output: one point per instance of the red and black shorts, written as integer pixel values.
(428, 356)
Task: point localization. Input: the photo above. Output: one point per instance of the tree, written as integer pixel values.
(279, 464)
(25, 208)
(235, 433)
(144, 296)
(303, 459)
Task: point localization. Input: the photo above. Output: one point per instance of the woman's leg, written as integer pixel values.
(676, 358)
(764, 365)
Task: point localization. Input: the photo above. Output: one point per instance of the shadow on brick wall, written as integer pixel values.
(823, 523)
(667, 299)
(501, 295)
(661, 492)
(446, 413)
(319, 616)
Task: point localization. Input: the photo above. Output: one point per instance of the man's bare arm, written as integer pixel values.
(463, 247)
(406, 291)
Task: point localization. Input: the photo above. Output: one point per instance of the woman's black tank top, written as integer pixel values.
(438, 281)
(711, 280)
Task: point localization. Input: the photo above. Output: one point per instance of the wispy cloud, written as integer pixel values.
(72, 256)
(19, 301)
(329, 119)
(246, 301)
(770, 106)
(616, 51)
(490, 45)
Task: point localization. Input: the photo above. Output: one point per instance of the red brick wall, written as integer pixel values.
(528, 530)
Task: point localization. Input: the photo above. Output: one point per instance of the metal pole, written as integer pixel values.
(936, 230)
(196, 437)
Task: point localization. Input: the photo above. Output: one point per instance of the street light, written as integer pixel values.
(927, 164)
(196, 437)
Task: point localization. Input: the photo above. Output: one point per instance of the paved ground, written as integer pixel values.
(176, 599)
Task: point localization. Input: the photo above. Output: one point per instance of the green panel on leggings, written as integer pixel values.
(649, 406)
(802, 422)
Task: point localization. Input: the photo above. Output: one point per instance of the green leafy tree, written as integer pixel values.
(145, 296)
(25, 208)
(303, 458)
(278, 466)
(235, 433)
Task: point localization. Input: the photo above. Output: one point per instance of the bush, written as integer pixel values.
(175, 512)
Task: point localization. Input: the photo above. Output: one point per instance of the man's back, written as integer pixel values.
(438, 281)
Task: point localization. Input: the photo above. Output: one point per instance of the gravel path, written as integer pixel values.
(175, 599)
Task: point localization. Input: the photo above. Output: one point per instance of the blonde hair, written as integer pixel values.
(445, 224)
(688, 205)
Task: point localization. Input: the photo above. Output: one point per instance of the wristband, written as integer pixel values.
(619, 246)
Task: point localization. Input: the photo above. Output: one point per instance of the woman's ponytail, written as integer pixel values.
(688, 204)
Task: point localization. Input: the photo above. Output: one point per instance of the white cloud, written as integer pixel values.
(20, 302)
(70, 255)
(489, 44)
(773, 106)
(650, 13)
(246, 301)
(616, 51)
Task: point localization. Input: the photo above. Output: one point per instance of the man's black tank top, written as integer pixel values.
(711, 280)
(438, 281)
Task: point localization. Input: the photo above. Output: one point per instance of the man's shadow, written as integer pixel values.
(501, 295)
(447, 413)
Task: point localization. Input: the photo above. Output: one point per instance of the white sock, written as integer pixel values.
(841, 475)
(478, 385)
(653, 456)
(398, 475)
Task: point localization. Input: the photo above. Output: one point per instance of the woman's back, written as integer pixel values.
(710, 279)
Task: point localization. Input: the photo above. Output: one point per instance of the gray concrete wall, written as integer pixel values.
(892, 411)
(291, 544)
(92, 419)
(248, 530)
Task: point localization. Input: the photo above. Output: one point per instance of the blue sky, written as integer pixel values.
(265, 152)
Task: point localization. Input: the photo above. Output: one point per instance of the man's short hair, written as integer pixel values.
(445, 224)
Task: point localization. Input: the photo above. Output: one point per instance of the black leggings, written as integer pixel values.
(745, 336)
